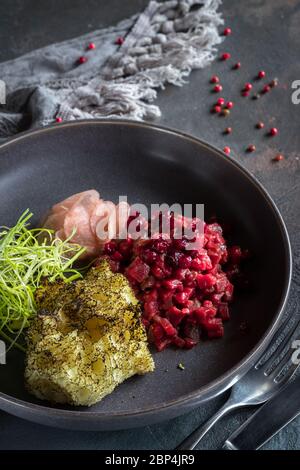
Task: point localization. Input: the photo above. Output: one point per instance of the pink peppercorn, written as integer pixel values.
(248, 87)
(260, 125)
(225, 56)
(225, 112)
(217, 109)
(119, 41)
(273, 83)
(229, 104)
(214, 79)
(218, 88)
(227, 150)
(220, 101)
(58, 119)
(273, 131)
(251, 148)
(82, 59)
(227, 31)
(91, 46)
(237, 66)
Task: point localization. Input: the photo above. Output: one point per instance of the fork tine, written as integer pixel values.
(281, 346)
(283, 363)
(281, 328)
(288, 374)
(276, 336)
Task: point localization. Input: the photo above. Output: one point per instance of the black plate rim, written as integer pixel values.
(215, 387)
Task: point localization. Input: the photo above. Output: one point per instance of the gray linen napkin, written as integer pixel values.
(161, 45)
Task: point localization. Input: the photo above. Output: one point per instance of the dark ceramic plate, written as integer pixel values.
(151, 165)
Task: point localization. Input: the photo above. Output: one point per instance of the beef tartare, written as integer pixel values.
(185, 294)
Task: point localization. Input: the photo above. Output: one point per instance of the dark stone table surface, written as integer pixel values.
(266, 35)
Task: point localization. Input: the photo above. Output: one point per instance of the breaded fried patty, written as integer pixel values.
(86, 339)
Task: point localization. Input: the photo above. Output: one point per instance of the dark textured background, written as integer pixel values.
(266, 35)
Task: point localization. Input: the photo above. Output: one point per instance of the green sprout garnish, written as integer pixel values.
(27, 257)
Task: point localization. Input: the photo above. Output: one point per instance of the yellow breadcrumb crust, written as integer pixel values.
(86, 339)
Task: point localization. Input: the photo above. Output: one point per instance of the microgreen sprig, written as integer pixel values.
(27, 257)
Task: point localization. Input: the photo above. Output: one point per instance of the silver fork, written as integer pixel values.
(263, 380)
